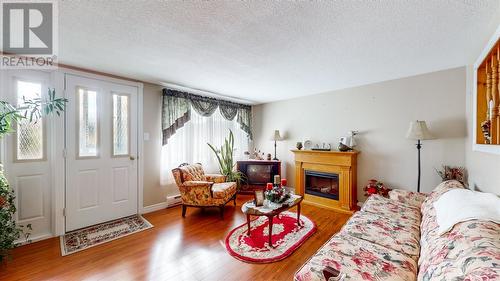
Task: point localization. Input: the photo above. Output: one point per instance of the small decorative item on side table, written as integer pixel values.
(376, 187)
(308, 145)
(299, 145)
(259, 198)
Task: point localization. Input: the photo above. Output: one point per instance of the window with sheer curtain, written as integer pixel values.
(189, 143)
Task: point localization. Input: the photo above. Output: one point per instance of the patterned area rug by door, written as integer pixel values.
(286, 238)
(91, 236)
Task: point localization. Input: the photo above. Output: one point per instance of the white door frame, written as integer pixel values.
(59, 171)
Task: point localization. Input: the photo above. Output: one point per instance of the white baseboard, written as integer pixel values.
(154, 207)
(33, 239)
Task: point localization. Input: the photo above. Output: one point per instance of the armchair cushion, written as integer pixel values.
(192, 172)
(215, 178)
(224, 190)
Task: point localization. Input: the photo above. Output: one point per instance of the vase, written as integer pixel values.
(299, 145)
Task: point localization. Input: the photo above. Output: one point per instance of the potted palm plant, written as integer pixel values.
(32, 110)
(226, 160)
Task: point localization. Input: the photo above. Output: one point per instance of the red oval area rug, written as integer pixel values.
(286, 238)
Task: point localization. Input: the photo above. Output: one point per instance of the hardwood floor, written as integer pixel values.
(175, 249)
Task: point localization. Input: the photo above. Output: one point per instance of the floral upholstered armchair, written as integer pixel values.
(203, 190)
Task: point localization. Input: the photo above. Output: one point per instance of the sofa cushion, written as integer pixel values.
(359, 260)
(429, 226)
(386, 232)
(470, 251)
(414, 199)
(392, 209)
(223, 190)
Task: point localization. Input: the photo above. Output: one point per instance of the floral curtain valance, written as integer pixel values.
(176, 111)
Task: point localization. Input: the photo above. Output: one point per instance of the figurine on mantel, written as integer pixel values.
(348, 142)
(324, 147)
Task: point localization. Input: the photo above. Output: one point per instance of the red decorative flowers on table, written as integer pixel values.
(376, 187)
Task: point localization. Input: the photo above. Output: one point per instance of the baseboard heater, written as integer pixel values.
(173, 200)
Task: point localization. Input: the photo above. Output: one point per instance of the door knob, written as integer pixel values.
(132, 158)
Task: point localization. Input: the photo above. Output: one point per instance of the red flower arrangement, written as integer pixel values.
(453, 173)
(376, 187)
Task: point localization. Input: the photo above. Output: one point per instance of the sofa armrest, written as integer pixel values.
(215, 178)
(411, 198)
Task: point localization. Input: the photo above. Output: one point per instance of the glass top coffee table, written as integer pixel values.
(273, 209)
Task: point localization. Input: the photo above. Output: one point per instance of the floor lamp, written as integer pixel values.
(418, 131)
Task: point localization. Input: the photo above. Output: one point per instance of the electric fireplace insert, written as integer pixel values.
(322, 184)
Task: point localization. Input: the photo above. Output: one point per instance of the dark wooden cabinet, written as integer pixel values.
(257, 173)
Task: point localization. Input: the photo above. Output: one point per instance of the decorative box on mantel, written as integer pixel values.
(327, 178)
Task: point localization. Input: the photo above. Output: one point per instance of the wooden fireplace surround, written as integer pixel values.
(342, 163)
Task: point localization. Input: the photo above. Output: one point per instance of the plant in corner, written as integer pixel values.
(226, 161)
(32, 110)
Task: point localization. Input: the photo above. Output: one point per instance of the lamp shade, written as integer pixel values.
(276, 135)
(418, 131)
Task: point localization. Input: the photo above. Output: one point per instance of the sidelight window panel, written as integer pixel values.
(121, 126)
(88, 123)
(29, 143)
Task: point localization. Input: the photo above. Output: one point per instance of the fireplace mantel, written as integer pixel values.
(342, 163)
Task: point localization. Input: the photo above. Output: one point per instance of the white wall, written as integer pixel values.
(382, 113)
(154, 192)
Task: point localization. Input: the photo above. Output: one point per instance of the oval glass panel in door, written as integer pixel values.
(121, 120)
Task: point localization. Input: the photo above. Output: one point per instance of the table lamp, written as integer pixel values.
(276, 137)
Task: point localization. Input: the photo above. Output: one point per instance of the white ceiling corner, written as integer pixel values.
(265, 51)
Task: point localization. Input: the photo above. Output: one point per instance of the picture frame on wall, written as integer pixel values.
(259, 197)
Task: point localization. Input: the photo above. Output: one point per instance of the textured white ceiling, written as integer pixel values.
(264, 51)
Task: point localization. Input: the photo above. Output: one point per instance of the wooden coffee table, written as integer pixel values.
(249, 209)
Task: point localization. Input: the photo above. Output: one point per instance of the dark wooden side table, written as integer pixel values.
(249, 209)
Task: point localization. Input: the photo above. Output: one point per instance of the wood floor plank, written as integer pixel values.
(177, 248)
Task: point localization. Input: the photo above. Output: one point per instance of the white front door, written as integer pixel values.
(101, 149)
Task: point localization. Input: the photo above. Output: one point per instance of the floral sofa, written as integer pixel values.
(396, 239)
(203, 190)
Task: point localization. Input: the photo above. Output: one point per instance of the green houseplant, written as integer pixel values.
(226, 161)
(31, 110)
